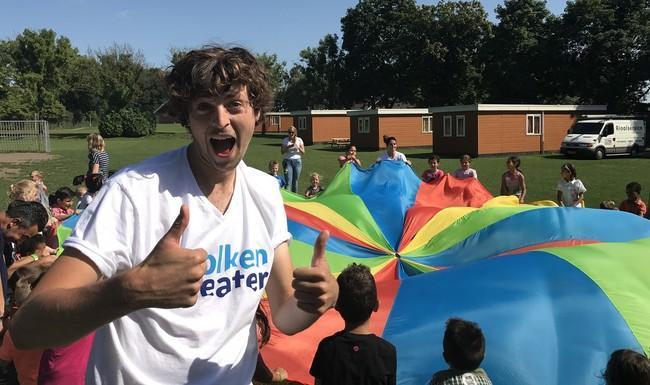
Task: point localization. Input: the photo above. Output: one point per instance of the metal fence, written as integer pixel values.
(24, 136)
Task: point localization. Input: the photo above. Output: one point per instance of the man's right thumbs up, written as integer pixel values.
(171, 275)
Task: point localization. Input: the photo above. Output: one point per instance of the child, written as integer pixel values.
(26, 361)
(433, 174)
(37, 177)
(513, 181)
(465, 172)
(463, 350)
(24, 190)
(274, 169)
(83, 198)
(570, 190)
(262, 372)
(314, 187)
(32, 251)
(608, 205)
(350, 156)
(355, 355)
(627, 367)
(61, 203)
(633, 204)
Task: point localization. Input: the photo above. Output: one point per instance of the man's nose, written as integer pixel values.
(221, 116)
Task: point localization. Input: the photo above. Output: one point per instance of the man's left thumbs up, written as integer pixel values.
(316, 290)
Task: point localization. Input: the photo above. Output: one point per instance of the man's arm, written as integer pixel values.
(298, 297)
(74, 301)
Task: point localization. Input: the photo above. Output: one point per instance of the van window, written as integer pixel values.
(609, 129)
(586, 128)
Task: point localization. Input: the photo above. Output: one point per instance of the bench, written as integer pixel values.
(339, 143)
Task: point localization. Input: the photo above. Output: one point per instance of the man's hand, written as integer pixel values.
(170, 276)
(316, 290)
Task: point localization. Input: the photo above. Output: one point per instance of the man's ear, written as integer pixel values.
(258, 113)
(14, 222)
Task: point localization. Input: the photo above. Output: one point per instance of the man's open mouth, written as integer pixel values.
(222, 146)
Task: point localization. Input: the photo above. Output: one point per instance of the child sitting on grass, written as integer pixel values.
(314, 187)
(355, 356)
(463, 350)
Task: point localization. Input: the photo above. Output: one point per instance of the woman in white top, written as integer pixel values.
(391, 151)
(292, 150)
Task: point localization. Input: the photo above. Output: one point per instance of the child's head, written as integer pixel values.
(608, 205)
(23, 281)
(314, 178)
(568, 172)
(627, 367)
(357, 294)
(391, 143)
(463, 344)
(351, 151)
(24, 190)
(633, 191)
(465, 161)
(513, 163)
(94, 182)
(95, 142)
(274, 167)
(31, 245)
(62, 198)
(81, 191)
(36, 176)
(434, 161)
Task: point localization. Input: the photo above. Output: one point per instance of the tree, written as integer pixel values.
(452, 70)
(120, 69)
(519, 58)
(606, 43)
(277, 78)
(380, 40)
(317, 81)
(83, 94)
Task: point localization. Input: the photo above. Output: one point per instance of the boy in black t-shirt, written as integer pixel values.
(463, 350)
(354, 355)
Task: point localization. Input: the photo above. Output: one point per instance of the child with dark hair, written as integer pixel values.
(570, 190)
(26, 362)
(262, 372)
(354, 355)
(465, 171)
(627, 367)
(633, 204)
(61, 203)
(433, 174)
(513, 181)
(463, 350)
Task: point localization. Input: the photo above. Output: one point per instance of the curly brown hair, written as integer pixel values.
(214, 71)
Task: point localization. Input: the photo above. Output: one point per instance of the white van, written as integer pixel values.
(601, 136)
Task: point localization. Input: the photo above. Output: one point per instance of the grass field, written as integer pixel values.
(604, 179)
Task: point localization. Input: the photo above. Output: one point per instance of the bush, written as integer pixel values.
(110, 126)
(126, 122)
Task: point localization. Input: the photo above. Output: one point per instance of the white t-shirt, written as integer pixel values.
(292, 152)
(398, 156)
(84, 201)
(570, 191)
(214, 341)
(465, 174)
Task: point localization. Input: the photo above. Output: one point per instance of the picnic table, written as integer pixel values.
(339, 142)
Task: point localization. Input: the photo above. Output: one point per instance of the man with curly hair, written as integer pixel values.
(170, 263)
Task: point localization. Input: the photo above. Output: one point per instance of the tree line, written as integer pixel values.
(390, 53)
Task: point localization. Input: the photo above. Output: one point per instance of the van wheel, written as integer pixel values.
(635, 150)
(600, 153)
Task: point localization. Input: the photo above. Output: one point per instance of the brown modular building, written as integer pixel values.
(483, 129)
(276, 122)
(319, 126)
(410, 126)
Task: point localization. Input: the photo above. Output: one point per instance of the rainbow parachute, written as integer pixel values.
(555, 290)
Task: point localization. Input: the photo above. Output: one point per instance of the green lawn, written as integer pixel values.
(604, 179)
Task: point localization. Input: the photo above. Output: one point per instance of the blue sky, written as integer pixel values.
(283, 27)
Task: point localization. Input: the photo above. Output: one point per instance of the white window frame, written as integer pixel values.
(363, 125)
(427, 124)
(302, 122)
(275, 120)
(447, 129)
(460, 118)
(530, 131)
